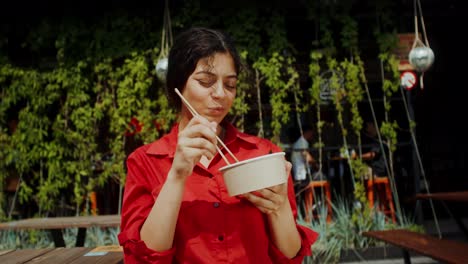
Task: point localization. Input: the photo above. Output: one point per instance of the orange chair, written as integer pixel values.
(309, 198)
(386, 199)
(93, 199)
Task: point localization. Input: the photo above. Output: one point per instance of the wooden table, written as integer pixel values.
(104, 254)
(444, 250)
(56, 224)
(443, 197)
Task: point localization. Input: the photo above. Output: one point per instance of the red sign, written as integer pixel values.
(408, 80)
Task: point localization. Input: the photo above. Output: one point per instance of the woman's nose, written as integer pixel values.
(218, 89)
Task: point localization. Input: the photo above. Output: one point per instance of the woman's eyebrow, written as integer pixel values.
(204, 72)
(212, 74)
(232, 76)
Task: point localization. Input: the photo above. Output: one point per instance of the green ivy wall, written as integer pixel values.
(70, 84)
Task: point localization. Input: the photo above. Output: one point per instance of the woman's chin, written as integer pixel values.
(215, 118)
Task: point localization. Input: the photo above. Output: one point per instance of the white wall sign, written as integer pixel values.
(326, 92)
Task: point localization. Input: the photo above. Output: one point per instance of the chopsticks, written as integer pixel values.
(194, 113)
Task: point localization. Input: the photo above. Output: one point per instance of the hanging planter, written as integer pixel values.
(421, 56)
(161, 68)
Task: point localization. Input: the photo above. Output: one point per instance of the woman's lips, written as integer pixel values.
(216, 110)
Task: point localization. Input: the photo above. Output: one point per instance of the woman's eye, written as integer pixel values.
(206, 83)
(230, 85)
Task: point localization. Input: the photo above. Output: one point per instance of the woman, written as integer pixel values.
(176, 208)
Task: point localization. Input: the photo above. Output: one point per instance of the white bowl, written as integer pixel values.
(255, 173)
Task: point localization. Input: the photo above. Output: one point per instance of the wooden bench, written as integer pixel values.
(443, 197)
(56, 224)
(75, 255)
(444, 250)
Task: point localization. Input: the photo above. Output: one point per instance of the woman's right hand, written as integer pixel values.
(197, 139)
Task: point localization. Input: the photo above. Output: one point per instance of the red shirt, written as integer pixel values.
(212, 226)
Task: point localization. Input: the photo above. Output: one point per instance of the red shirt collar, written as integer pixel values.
(167, 144)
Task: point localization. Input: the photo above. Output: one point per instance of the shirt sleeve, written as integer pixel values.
(137, 202)
(308, 236)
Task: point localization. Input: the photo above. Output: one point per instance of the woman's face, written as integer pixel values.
(211, 88)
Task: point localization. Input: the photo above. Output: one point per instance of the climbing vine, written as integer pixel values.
(281, 78)
(314, 91)
(85, 94)
(72, 123)
(390, 85)
(354, 95)
(71, 116)
(244, 88)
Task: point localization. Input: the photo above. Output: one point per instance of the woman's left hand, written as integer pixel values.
(271, 200)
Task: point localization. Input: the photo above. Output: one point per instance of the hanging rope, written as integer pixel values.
(320, 168)
(121, 185)
(166, 34)
(384, 154)
(259, 102)
(166, 43)
(388, 161)
(417, 41)
(418, 156)
(13, 202)
(417, 7)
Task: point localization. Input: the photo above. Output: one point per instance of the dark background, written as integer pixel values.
(439, 108)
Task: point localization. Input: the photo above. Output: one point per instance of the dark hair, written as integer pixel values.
(189, 47)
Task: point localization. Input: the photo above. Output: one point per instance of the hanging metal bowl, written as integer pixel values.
(421, 58)
(161, 68)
